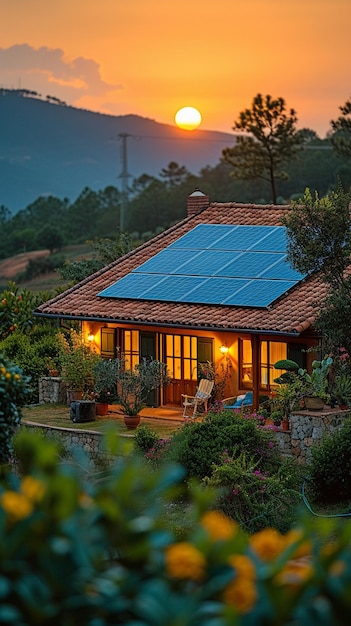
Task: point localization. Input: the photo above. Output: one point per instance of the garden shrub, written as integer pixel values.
(198, 445)
(145, 438)
(13, 391)
(330, 468)
(101, 551)
(253, 498)
(31, 352)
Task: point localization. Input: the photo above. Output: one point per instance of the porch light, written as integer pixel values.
(91, 337)
(224, 349)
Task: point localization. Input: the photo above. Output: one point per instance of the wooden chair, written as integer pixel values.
(201, 398)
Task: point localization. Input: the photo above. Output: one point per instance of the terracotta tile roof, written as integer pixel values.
(292, 313)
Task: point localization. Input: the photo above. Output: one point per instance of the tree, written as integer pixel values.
(105, 251)
(319, 235)
(319, 239)
(174, 174)
(341, 139)
(269, 139)
(50, 237)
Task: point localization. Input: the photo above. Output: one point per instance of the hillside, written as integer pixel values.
(12, 267)
(54, 149)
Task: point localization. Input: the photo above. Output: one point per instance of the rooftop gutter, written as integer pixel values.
(113, 320)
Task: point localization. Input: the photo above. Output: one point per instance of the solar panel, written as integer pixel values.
(234, 265)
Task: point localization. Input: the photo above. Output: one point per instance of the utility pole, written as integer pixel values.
(124, 176)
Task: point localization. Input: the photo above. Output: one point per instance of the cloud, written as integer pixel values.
(47, 68)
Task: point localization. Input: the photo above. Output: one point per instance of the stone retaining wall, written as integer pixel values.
(91, 442)
(306, 430)
(52, 390)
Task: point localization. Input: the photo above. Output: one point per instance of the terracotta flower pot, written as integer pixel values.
(314, 404)
(101, 408)
(53, 373)
(131, 421)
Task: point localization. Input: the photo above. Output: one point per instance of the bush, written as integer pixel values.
(31, 352)
(79, 548)
(16, 309)
(144, 438)
(330, 468)
(13, 390)
(253, 498)
(198, 445)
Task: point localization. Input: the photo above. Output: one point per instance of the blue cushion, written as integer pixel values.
(247, 400)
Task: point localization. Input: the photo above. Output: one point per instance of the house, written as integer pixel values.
(215, 287)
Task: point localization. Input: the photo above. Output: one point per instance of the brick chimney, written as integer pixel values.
(197, 201)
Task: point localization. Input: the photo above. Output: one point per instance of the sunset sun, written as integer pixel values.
(188, 118)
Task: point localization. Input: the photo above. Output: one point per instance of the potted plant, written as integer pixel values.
(134, 386)
(77, 364)
(341, 390)
(291, 389)
(316, 384)
(105, 384)
(52, 367)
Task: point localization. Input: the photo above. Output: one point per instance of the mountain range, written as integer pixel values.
(49, 148)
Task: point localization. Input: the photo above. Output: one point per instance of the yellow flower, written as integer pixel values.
(16, 505)
(295, 573)
(241, 593)
(218, 526)
(183, 560)
(243, 566)
(267, 543)
(337, 568)
(32, 488)
(304, 548)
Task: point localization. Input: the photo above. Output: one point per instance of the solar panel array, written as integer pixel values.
(214, 264)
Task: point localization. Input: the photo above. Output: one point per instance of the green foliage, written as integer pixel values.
(41, 265)
(341, 139)
(105, 380)
(253, 498)
(77, 360)
(104, 250)
(145, 438)
(16, 309)
(199, 445)
(14, 388)
(316, 383)
(272, 140)
(50, 237)
(101, 549)
(341, 388)
(134, 386)
(31, 351)
(319, 234)
(330, 467)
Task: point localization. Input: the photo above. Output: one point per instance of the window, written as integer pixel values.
(271, 352)
(245, 364)
(181, 357)
(131, 348)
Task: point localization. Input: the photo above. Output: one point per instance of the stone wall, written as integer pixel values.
(52, 390)
(90, 441)
(306, 430)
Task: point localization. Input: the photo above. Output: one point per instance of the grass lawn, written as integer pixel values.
(59, 415)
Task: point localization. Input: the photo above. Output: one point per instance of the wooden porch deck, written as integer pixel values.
(169, 413)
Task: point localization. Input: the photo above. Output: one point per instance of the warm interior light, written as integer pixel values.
(224, 349)
(90, 337)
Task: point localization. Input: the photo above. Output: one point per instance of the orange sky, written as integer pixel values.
(151, 57)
